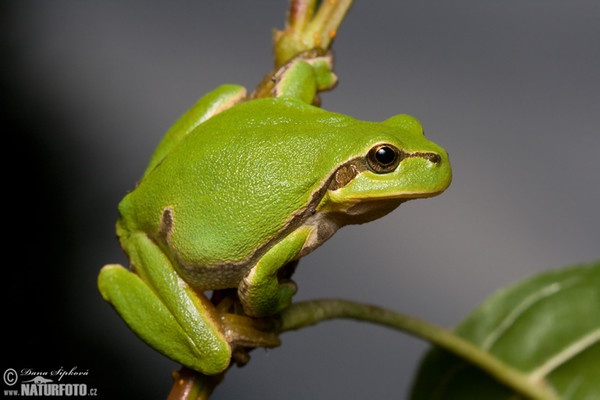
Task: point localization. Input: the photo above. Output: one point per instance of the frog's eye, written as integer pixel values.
(384, 158)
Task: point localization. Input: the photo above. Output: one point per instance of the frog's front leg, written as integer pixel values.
(164, 310)
(303, 78)
(261, 291)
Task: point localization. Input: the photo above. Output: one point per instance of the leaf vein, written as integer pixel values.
(565, 355)
(510, 319)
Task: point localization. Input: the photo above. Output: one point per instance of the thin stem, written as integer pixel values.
(323, 27)
(308, 313)
(301, 11)
(192, 385)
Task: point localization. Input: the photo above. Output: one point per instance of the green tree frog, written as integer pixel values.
(240, 188)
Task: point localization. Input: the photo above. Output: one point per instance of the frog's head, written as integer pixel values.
(394, 164)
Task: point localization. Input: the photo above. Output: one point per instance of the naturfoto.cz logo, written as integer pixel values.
(45, 383)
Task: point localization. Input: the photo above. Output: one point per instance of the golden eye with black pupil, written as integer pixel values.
(383, 158)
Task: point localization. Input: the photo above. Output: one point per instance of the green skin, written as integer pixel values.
(239, 189)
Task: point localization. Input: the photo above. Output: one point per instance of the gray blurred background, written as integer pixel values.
(511, 89)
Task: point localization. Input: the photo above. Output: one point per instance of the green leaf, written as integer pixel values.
(546, 327)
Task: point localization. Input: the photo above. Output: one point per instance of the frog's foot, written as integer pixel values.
(266, 297)
(303, 77)
(243, 333)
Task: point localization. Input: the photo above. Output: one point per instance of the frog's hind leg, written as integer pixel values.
(163, 310)
(151, 320)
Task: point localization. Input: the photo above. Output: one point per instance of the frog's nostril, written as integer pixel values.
(433, 157)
